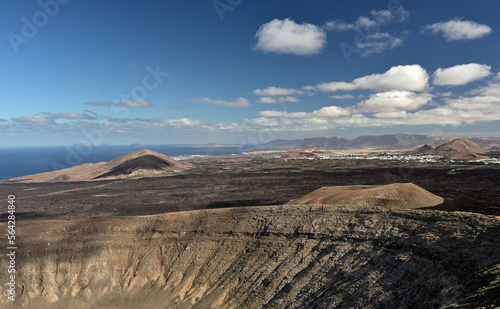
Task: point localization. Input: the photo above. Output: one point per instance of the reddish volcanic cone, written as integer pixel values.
(396, 195)
(142, 163)
(456, 146)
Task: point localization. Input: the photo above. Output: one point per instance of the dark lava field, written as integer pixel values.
(236, 182)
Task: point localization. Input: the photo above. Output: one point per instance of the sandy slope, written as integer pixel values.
(395, 195)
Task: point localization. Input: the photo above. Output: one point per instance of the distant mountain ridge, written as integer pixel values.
(387, 141)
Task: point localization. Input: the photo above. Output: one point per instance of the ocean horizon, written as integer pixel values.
(17, 161)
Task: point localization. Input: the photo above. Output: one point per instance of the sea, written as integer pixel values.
(22, 161)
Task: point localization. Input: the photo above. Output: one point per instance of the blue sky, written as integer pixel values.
(239, 71)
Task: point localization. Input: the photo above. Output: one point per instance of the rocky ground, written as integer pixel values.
(261, 257)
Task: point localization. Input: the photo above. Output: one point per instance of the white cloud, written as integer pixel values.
(335, 86)
(393, 101)
(445, 94)
(239, 102)
(369, 24)
(278, 100)
(331, 111)
(288, 37)
(401, 77)
(268, 123)
(397, 114)
(327, 111)
(181, 123)
(369, 38)
(339, 25)
(378, 42)
(463, 110)
(283, 114)
(275, 91)
(386, 16)
(342, 96)
(37, 120)
(268, 100)
(400, 99)
(136, 103)
(312, 88)
(461, 74)
(457, 29)
(5, 123)
(392, 108)
(492, 90)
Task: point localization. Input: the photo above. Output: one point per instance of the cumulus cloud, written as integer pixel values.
(275, 91)
(393, 101)
(278, 100)
(68, 116)
(288, 37)
(457, 29)
(334, 86)
(390, 108)
(397, 97)
(492, 90)
(462, 110)
(327, 111)
(468, 110)
(461, 74)
(401, 77)
(239, 102)
(136, 103)
(331, 111)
